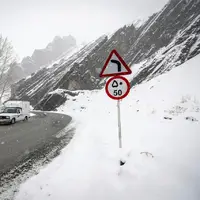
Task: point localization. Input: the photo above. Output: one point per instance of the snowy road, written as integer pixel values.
(22, 138)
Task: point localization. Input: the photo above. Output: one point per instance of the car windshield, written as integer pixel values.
(10, 110)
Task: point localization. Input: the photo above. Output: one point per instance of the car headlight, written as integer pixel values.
(7, 117)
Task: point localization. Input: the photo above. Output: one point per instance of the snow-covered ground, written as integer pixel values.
(32, 114)
(160, 117)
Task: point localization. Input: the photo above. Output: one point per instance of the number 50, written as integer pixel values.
(117, 93)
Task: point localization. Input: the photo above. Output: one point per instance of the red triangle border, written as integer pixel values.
(121, 60)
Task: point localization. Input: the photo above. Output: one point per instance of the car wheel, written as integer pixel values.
(26, 118)
(13, 121)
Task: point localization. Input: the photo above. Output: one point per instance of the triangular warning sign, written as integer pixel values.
(115, 65)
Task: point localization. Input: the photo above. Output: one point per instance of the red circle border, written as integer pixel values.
(127, 83)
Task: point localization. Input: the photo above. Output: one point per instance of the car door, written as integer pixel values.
(20, 116)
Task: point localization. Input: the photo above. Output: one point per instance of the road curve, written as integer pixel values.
(23, 137)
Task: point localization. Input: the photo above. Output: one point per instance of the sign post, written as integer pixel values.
(119, 124)
(117, 87)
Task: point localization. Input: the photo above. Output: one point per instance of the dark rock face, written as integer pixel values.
(45, 56)
(166, 40)
(62, 75)
(184, 46)
(52, 101)
(162, 27)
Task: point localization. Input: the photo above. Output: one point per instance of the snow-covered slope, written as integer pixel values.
(160, 132)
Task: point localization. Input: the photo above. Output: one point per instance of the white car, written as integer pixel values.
(15, 111)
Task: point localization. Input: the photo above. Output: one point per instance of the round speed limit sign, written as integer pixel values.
(117, 87)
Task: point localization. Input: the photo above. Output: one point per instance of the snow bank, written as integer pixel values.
(57, 91)
(160, 132)
(32, 114)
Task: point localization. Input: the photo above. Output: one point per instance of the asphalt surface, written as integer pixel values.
(21, 138)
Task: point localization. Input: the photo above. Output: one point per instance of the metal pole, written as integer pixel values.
(119, 124)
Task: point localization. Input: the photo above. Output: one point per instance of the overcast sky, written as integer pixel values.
(32, 24)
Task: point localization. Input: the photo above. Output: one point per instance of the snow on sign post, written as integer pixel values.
(117, 87)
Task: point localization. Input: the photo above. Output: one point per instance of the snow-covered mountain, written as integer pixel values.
(167, 39)
(49, 78)
(42, 57)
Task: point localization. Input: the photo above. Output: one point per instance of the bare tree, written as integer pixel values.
(7, 62)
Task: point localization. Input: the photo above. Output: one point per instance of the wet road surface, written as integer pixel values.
(18, 140)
